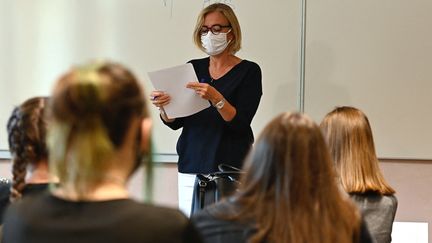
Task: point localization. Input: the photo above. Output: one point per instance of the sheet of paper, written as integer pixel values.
(173, 80)
(409, 232)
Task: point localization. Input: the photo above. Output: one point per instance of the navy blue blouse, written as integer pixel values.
(206, 139)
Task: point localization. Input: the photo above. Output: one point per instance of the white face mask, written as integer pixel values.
(214, 44)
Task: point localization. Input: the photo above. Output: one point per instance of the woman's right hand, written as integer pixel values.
(159, 98)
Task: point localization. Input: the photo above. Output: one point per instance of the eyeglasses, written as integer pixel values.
(215, 29)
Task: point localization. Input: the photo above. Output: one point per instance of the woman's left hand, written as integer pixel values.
(205, 91)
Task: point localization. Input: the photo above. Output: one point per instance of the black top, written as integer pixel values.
(47, 219)
(213, 229)
(28, 190)
(4, 197)
(206, 139)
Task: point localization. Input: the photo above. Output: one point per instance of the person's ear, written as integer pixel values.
(230, 35)
(146, 127)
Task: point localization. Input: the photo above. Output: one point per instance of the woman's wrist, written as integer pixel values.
(164, 115)
(214, 101)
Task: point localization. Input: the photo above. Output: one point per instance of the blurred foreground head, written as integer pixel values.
(97, 123)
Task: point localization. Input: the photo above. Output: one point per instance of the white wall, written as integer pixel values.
(374, 55)
(41, 39)
(412, 180)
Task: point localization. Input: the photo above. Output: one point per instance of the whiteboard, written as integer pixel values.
(41, 39)
(376, 56)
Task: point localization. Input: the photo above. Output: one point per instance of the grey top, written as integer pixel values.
(214, 229)
(379, 212)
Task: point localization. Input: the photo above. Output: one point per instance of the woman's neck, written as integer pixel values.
(110, 183)
(38, 173)
(109, 190)
(223, 58)
(221, 64)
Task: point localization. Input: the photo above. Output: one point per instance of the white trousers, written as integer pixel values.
(185, 190)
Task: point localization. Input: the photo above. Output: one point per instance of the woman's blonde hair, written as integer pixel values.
(289, 189)
(235, 44)
(349, 137)
(91, 110)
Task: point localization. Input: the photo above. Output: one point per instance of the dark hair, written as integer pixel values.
(91, 110)
(26, 136)
(289, 187)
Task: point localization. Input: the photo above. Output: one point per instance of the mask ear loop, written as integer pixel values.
(229, 41)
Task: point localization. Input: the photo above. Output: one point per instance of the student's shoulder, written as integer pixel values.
(376, 198)
(390, 199)
(4, 191)
(29, 207)
(165, 224)
(33, 201)
(214, 213)
(156, 213)
(389, 202)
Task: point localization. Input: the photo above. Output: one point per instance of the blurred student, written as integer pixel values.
(26, 129)
(98, 133)
(349, 136)
(288, 193)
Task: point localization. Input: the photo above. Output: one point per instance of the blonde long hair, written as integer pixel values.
(235, 44)
(349, 136)
(289, 189)
(90, 112)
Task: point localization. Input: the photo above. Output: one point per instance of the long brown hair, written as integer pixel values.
(90, 112)
(26, 136)
(289, 188)
(349, 136)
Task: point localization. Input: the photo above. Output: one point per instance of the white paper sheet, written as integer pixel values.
(412, 232)
(173, 80)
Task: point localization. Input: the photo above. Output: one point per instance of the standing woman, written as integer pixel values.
(98, 133)
(26, 129)
(288, 193)
(221, 133)
(349, 136)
